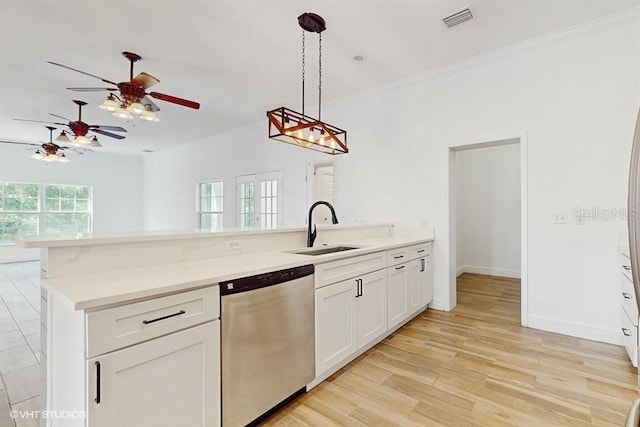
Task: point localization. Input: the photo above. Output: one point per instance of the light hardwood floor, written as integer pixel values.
(474, 366)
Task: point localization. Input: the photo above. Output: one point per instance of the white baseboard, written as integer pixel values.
(459, 271)
(488, 271)
(576, 330)
(437, 304)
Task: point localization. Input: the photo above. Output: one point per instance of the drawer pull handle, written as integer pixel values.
(422, 263)
(400, 268)
(398, 257)
(626, 267)
(180, 313)
(626, 332)
(421, 250)
(97, 399)
(626, 295)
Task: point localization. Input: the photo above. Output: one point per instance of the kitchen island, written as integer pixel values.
(126, 316)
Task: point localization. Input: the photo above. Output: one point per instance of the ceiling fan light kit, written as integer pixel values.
(79, 130)
(48, 151)
(291, 127)
(133, 99)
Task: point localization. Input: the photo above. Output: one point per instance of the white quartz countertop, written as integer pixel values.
(97, 290)
(82, 239)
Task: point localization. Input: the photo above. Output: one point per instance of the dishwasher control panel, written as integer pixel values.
(264, 280)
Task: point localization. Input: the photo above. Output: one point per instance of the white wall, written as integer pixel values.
(575, 97)
(488, 210)
(171, 176)
(116, 182)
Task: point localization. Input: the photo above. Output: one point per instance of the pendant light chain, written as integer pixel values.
(303, 72)
(320, 77)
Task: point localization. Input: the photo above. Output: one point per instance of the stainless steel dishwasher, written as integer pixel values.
(268, 345)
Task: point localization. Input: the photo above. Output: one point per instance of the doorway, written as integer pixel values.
(488, 214)
(323, 180)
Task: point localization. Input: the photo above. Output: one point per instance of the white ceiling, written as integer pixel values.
(239, 58)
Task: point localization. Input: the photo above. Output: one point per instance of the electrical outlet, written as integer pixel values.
(233, 245)
(560, 218)
(424, 223)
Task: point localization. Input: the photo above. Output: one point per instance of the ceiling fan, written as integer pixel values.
(134, 97)
(51, 152)
(80, 129)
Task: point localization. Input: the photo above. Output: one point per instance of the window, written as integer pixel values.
(67, 209)
(210, 205)
(31, 209)
(19, 207)
(260, 201)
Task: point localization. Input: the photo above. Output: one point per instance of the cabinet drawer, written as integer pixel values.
(397, 256)
(337, 271)
(123, 326)
(628, 295)
(420, 250)
(630, 335)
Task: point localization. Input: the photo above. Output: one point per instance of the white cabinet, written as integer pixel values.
(397, 294)
(372, 307)
(410, 284)
(360, 300)
(349, 315)
(629, 308)
(420, 283)
(336, 336)
(169, 381)
(154, 363)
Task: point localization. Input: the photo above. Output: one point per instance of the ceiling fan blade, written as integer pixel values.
(111, 128)
(145, 80)
(175, 100)
(83, 72)
(41, 121)
(109, 134)
(145, 100)
(20, 143)
(92, 89)
(60, 117)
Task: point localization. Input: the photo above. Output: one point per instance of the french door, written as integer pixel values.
(260, 201)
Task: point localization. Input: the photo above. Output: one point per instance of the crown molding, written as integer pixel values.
(595, 26)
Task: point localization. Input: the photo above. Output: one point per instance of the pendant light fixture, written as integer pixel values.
(289, 126)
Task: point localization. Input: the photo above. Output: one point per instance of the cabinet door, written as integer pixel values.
(336, 336)
(372, 307)
(397, 294)
(170, 381)
(425, 280)
(415, 282)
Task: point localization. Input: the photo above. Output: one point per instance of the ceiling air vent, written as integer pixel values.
(458, 17)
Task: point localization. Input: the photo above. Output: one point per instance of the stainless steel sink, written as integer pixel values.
(328, 250)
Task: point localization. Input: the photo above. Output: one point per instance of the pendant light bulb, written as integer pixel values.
(37, 155)
(122, 113)
(136, 108)
(321, 141)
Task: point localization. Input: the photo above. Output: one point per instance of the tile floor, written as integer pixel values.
(19, 341)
